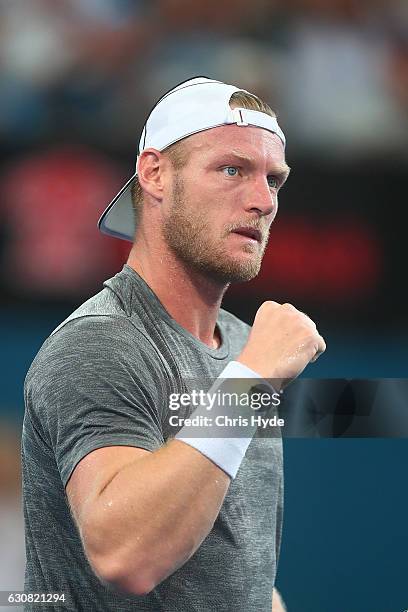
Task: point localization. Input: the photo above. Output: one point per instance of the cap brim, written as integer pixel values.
(118, 218)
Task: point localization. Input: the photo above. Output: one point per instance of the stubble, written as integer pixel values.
(190, 236)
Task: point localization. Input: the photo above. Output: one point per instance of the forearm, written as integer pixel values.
(152, 516)
(277, 601)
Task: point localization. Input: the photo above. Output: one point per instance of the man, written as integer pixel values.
(120, 514)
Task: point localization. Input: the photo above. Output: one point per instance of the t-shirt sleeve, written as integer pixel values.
(97, 382)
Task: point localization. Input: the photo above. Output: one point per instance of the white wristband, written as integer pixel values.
(227, 453)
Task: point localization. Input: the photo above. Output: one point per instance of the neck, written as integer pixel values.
(191, 298)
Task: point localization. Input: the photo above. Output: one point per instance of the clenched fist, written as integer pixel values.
(282, 342)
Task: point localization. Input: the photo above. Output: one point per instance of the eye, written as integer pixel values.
(230, 171)
(273, 182)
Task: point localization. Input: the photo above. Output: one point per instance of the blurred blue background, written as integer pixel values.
(77, 78)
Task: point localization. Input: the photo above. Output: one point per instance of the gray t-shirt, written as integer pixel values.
(103, 378)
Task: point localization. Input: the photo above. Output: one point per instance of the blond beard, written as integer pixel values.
(190, 237)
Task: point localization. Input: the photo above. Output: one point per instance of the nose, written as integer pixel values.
(261, 198)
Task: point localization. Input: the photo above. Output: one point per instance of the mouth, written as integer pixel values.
(249, 232)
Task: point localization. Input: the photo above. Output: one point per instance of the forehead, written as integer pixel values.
(258, 143)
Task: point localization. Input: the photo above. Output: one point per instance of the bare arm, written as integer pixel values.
(277, 601)
(142, 515)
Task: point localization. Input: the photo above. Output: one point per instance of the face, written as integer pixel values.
(224, 201)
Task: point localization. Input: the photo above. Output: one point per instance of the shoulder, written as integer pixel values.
(101, 323)
(90, 345)
(104, 304)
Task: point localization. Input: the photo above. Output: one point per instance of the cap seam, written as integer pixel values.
(166, 95)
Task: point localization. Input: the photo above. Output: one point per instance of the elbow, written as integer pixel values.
(140, 573)
(135, 580)
(115, 569)
(130, 568)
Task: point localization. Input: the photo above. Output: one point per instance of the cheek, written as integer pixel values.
(212, 199)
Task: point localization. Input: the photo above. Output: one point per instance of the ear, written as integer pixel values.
(151, 172)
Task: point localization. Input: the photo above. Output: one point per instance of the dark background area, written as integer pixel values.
(77, 79)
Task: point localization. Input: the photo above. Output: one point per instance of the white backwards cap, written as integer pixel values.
(193, 106)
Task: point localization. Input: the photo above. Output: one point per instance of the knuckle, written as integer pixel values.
(303, 323)
(307, 320)
(311, 323)
(267, 306)
(311, 337)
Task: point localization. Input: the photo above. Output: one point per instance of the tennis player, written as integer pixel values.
(120, 513)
